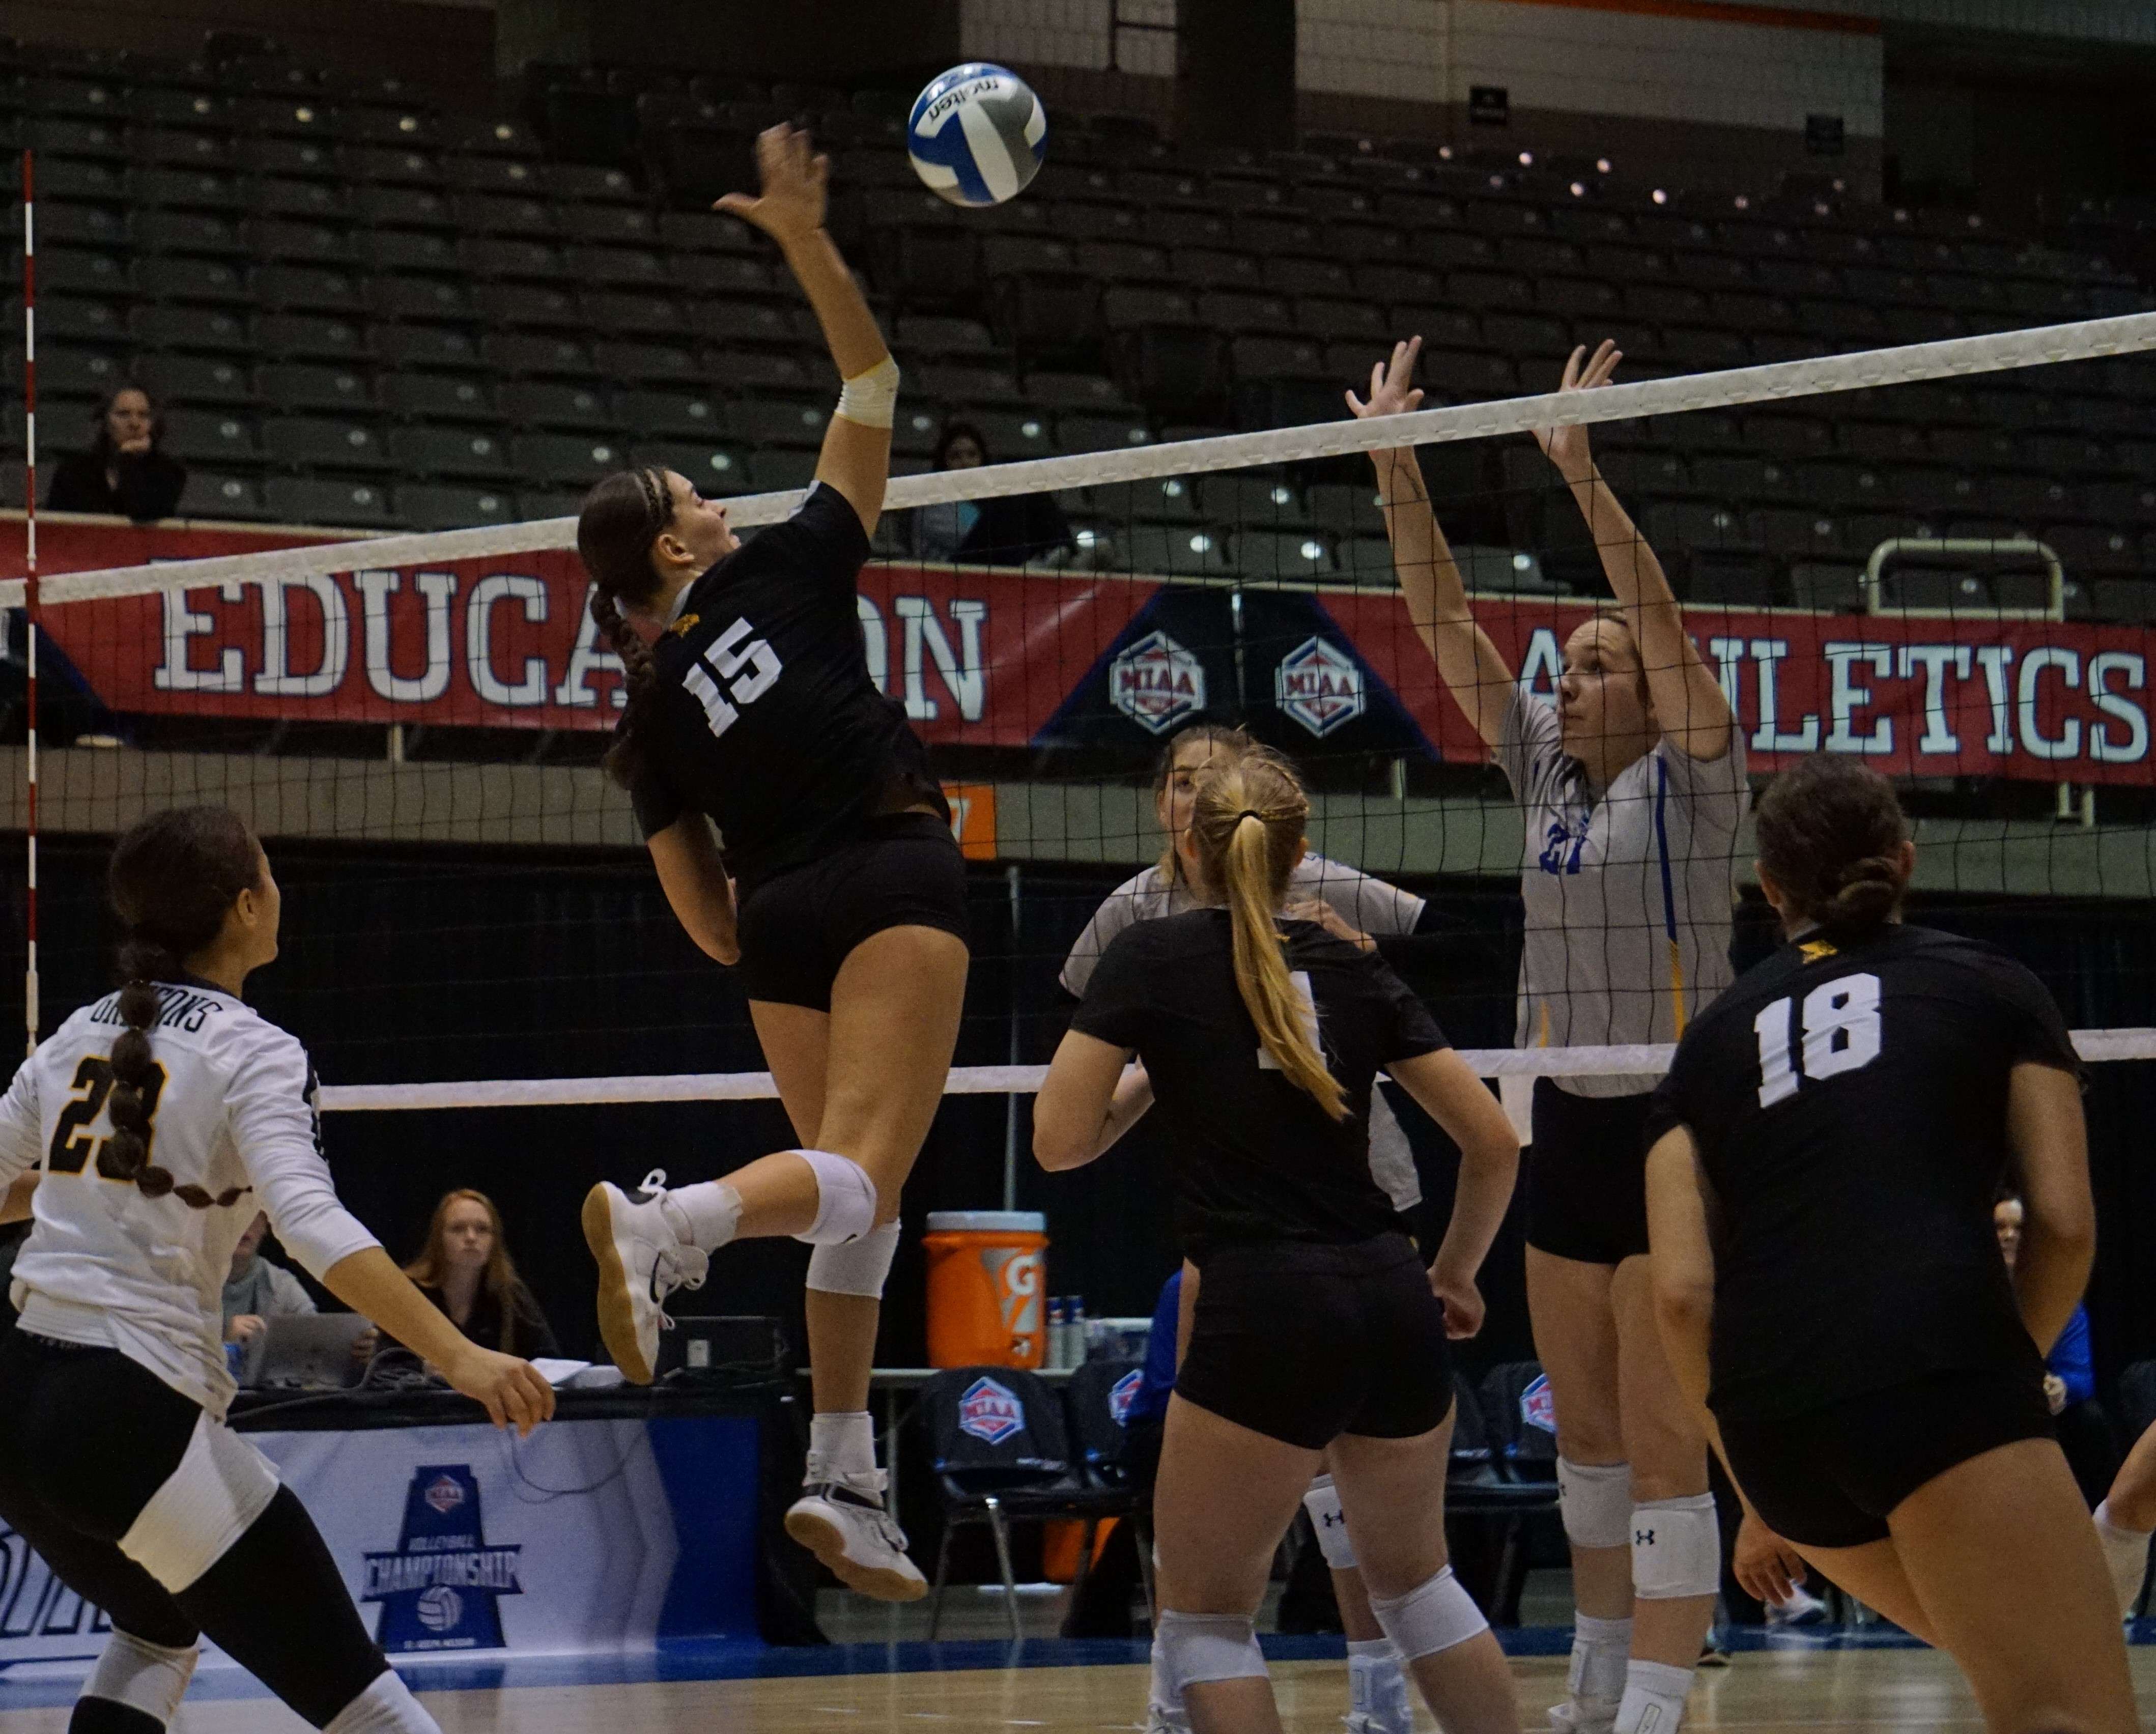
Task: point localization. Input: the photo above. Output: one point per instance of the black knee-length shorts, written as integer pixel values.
(796, 930)
(1304, 1342)
(1829, 1477)
(1587, 1176)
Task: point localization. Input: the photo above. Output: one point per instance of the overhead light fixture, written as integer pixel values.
(1661, 196)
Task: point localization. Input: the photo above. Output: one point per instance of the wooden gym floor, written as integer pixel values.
(1807, 1684)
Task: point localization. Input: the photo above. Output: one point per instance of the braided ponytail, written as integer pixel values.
(622, 516)
(173, 879)
(1248, 821)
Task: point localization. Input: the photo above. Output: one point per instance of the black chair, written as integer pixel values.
(1498, 1477)
(998, 1452)
(1095, 1403)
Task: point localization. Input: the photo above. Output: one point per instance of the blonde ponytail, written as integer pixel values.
(1247, 822)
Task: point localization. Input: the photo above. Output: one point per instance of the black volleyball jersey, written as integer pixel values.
(1849, 1104)
(1253, 1156)
(765, 718)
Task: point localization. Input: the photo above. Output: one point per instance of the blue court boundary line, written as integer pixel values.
(747, 1659)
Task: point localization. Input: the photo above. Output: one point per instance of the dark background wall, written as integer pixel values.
(409, 964)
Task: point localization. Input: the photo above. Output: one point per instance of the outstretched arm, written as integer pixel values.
(1688, 698)
(856, 455)
(1472, 668)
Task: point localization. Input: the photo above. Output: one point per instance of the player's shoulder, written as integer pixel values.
(230, 1032)
(1983, 965)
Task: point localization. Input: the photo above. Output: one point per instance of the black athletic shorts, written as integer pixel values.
(796, 930)
(1828, 1478)
(1304, 1342)
(1586, 1175)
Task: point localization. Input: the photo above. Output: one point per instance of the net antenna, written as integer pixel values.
(30, 594)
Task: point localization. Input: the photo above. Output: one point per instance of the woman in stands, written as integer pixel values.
(1006, 531)
(122, 474)
(164, 1116)
(465, 1270)
(1402, 929)
(1316, 1330)
(839, 891)
(1631, 790)
(1855, 1099)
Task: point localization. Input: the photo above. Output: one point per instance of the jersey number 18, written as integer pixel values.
(1842, 1034)
(748, 669)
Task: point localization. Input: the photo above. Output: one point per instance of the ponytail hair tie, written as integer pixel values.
(1249, 812)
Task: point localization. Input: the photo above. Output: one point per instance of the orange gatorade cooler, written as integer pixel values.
(984, 1282)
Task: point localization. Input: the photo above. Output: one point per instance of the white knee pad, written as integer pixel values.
(387, 1706)
(222, 1486)
(858, 1267)
(1194, 1648)
(1437, 1614)
(845, 1199)
(142, 1675)
(1595, 1500)
(1322, 1502)
(1676, 1548)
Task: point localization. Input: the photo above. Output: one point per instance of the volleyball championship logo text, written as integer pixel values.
(440, 1588)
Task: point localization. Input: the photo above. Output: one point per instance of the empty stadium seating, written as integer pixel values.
(365, 310)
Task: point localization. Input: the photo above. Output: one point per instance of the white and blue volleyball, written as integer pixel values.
(978, 135)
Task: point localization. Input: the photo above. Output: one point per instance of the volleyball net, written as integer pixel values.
(1938, 558)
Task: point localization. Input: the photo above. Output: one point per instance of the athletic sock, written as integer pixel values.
(1164, 1707)
(2126, 1552)
(1377, 1687)
(704, 1216)
(1600, 1649)
(1655, 1694)
(841, 1446)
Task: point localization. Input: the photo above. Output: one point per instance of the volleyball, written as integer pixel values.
(977, 135)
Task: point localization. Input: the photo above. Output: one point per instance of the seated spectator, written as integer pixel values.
(2085, 1433)
(257, 1290)
(466, 1271)
(1008, 531)
(123, 475)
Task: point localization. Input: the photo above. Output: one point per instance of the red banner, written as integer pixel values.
(995, 657)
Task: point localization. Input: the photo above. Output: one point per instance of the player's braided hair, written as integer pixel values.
(1247, 821)
(1830, 834)
(622, 516)
(174, 877)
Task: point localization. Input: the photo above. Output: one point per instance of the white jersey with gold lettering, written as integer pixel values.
(232, 1112)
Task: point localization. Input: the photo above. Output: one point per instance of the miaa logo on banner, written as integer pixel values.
(1156, 683)
(1321, 687)
(989, 1412)
(1537, 1406)
(1123, 1393)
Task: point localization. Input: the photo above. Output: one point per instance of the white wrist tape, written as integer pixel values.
(871, 398)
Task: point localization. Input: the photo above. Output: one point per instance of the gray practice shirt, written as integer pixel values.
(264, 1290)
(1367, 904)
(1628, 898)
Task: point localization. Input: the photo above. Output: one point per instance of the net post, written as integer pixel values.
(30, 597)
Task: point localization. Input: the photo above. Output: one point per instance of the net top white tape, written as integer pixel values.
(2093, 1046)
(1908, 365)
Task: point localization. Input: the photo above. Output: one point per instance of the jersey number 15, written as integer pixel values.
(1842, 1034)
(748, 669)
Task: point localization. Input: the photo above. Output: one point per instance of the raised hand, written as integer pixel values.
(1567, 447)
(1391, 392)
(795, 180)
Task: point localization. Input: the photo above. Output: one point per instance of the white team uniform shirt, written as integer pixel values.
(1628, 898)
(106, 1266)
(1369, 905)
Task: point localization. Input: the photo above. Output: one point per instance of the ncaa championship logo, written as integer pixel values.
(1123, 1393)
(990, 1411)
(440, 1587)
(1156, 683)
(1321, 687)
(1537, 1408)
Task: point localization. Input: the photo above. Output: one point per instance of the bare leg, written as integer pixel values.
(2132, 1495)
(1393, 1490)
(1668, 1455)
(1357, 1621)
(2000, 1554)
(1569, 1306)
(1226, 1495)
